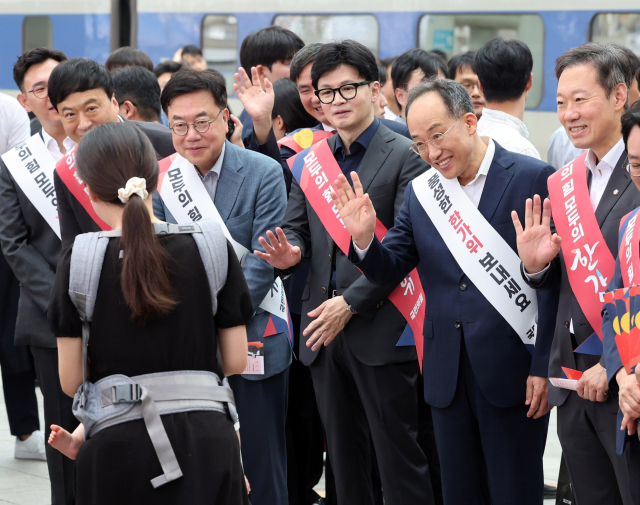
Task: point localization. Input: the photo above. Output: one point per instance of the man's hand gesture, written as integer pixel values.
(279, 253)
(536, 245)
(257, 97)
(356, 210)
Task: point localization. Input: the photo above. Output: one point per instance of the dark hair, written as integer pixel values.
(108, 156)
(76, 76)
(383, 75)
(634, 63)
(34, 57)
(141, 88)
(454, 95)
(128, 57)
(504, 68)
(388, 62)
(267, 46)
(347, 52)
(302, 58)
(610, 61)
(191, 49)
(165, 67)
(460, 61)
(289, 106)
(630, 119)
(187, 80)
(414, 59)
(439, 52)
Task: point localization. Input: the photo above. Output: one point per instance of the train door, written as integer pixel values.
(124, 23)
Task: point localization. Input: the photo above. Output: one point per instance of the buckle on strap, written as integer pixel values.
(127, 393)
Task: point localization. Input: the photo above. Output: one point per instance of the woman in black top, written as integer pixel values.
(153, 313)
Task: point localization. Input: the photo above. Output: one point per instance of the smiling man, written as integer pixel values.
(483, 377)
(593, 83)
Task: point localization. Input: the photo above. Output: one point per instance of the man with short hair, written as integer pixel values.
(462, 70)
(164, 70)
(138, 94)
(81, 90)
(128, 57)
(504, 69)
(362, 380)
(596, 191)
(409, 70)
(29, 236)
(484, 380)
(249, 198)
(192, 56)
(392, 111)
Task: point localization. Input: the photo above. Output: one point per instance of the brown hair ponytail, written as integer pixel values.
(107, 158)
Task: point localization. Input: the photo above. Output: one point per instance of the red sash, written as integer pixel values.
(302, 139)
(313, 169)
(589, 262)
(628, 244)
(66, 169)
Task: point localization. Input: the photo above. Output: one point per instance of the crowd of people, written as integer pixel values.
(213, 316)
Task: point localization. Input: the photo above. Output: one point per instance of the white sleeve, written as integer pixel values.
(18, 127)
(361, 252)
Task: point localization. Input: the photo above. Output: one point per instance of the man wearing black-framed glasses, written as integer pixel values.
(351, 329)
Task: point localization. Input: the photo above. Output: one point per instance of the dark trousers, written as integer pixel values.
(354, 400)
(427, 442)
(21, 402)
(262, 409)
(587, 432)
(488, 454)
(57, 410)
(305, 440)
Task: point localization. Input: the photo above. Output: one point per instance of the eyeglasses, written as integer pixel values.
(347, 91)
(633, 169)
(40, 91)
(201, 125)
(437, 139)
(470, 85)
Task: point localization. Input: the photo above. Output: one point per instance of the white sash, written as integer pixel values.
(32, 167)
(187, 199)
(483, 255)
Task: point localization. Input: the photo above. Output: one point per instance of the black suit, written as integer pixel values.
(31, 248)
(74, 219)
(362, 380)
(587, 429)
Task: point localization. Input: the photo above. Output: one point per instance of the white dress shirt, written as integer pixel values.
(389, 114)
(52, 145)
(473, 189)
(210, 180)
(561, 150)
(14, 123)
(328, 128)
(506, 130)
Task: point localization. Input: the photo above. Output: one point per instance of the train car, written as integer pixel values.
(93, 28)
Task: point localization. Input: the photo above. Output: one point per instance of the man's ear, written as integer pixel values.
(471, 122)
(375, 91)
(114, 102)
(399, 92)
(529, 82)
(621, 94)
(261, 71)
(128, 110)
(23, 101)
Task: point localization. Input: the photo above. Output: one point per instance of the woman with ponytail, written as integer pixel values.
(153, 313)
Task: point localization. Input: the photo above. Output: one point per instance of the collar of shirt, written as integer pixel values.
(52, 145)
(475, 187)
(608, 161)
(328, 128)
(490, 116)
(214, 173)
(364, 139)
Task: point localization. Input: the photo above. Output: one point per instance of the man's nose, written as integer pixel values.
(193, 134)
(84, 123)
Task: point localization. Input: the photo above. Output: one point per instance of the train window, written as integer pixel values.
(458, 33)
(321, 28)
(220, 44)
(37, 31)
(621, 27)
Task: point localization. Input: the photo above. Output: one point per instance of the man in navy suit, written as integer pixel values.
(488, 393)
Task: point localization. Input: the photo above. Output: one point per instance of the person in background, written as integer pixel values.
(462, 70)
(440, 53)
(288, 114)
(128, 57)
(191, 56)
(138, 94)
(392, 110)
(504, 69)
(409, 70)
(164, 70)
(14, 123)
(380, 106)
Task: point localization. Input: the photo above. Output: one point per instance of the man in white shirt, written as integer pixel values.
(14, 123)
(561, 150)
(31, 247)
(593, 83)
(504, 69)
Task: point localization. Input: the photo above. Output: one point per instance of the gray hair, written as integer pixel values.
(612, 64)
(454, 95)
(302, 58)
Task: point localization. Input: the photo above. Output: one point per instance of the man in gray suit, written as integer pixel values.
(31, 247)
(249, 194)
(361, 378)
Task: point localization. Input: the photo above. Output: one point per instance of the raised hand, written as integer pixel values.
(236, 136)
(356, 209)
(537, 246)
(279, 253)
(257, 97)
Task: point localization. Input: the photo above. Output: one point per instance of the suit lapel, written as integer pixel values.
(498, 179)
(618, 182)
(229, 182)
(377, 153)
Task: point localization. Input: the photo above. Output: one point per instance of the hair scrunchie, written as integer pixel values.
(135, 186)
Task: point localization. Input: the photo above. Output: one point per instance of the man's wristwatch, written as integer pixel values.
(349, 307)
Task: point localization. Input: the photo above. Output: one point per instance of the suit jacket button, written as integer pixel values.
(457, 324)
(463, 286)
(323, 289)
(566, 324)
(329, 257)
